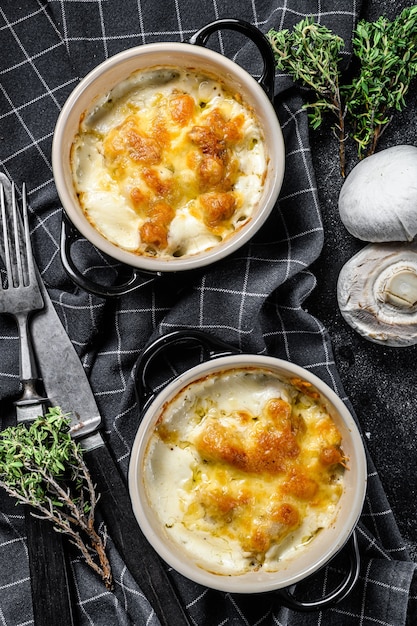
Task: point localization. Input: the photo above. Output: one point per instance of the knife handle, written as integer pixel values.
(48, 573)
(142, 561)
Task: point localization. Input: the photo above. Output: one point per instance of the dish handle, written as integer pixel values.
(137, 278)
(335, 596)
(211, 346)
(267, 78)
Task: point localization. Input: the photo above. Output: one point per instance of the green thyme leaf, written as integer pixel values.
(387, 52)
(42, 466)
(310, 54)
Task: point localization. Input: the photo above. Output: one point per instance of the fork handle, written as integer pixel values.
(51, 595)
(30, 406)
(50, 585)
(30, 403)
(28, 369)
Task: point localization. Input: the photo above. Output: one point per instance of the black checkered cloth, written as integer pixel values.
(254, 299)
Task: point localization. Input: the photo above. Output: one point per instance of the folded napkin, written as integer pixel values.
(253, 299)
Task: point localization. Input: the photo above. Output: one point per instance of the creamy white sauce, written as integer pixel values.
(105, 195)
(176, 476)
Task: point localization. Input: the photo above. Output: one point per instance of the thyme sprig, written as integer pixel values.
(43, 467)
(385, 55)
(311, 55)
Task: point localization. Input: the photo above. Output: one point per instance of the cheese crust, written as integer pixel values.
(169, 163)
(244, 469)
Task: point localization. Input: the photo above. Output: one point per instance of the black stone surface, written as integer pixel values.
(379, 381)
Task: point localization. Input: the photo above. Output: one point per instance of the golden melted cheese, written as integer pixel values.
(169, 163)
(244, 469)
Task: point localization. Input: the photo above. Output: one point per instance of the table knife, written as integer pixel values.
(68, 387)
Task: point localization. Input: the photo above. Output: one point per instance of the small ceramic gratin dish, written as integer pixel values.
(215, 169)
(179, 493)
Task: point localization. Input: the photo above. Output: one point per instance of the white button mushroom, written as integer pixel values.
(378, 200)
(377, 293)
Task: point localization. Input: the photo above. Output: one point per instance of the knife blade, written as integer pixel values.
(47, 559)
(67, 386)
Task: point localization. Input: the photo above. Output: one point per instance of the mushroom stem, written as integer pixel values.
(400, 290)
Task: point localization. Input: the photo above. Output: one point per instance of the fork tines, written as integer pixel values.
(18, 256)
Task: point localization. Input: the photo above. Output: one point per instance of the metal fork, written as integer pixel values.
(51, 597)
(21, 298)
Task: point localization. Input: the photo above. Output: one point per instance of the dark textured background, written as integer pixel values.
(380, 381)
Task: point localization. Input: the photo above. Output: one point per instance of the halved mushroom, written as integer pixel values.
(378, 200)
(377, 293)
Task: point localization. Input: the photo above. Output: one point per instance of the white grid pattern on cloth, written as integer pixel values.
(253, 299)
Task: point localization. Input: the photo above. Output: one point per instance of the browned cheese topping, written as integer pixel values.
(178, 157)
(266, 466)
